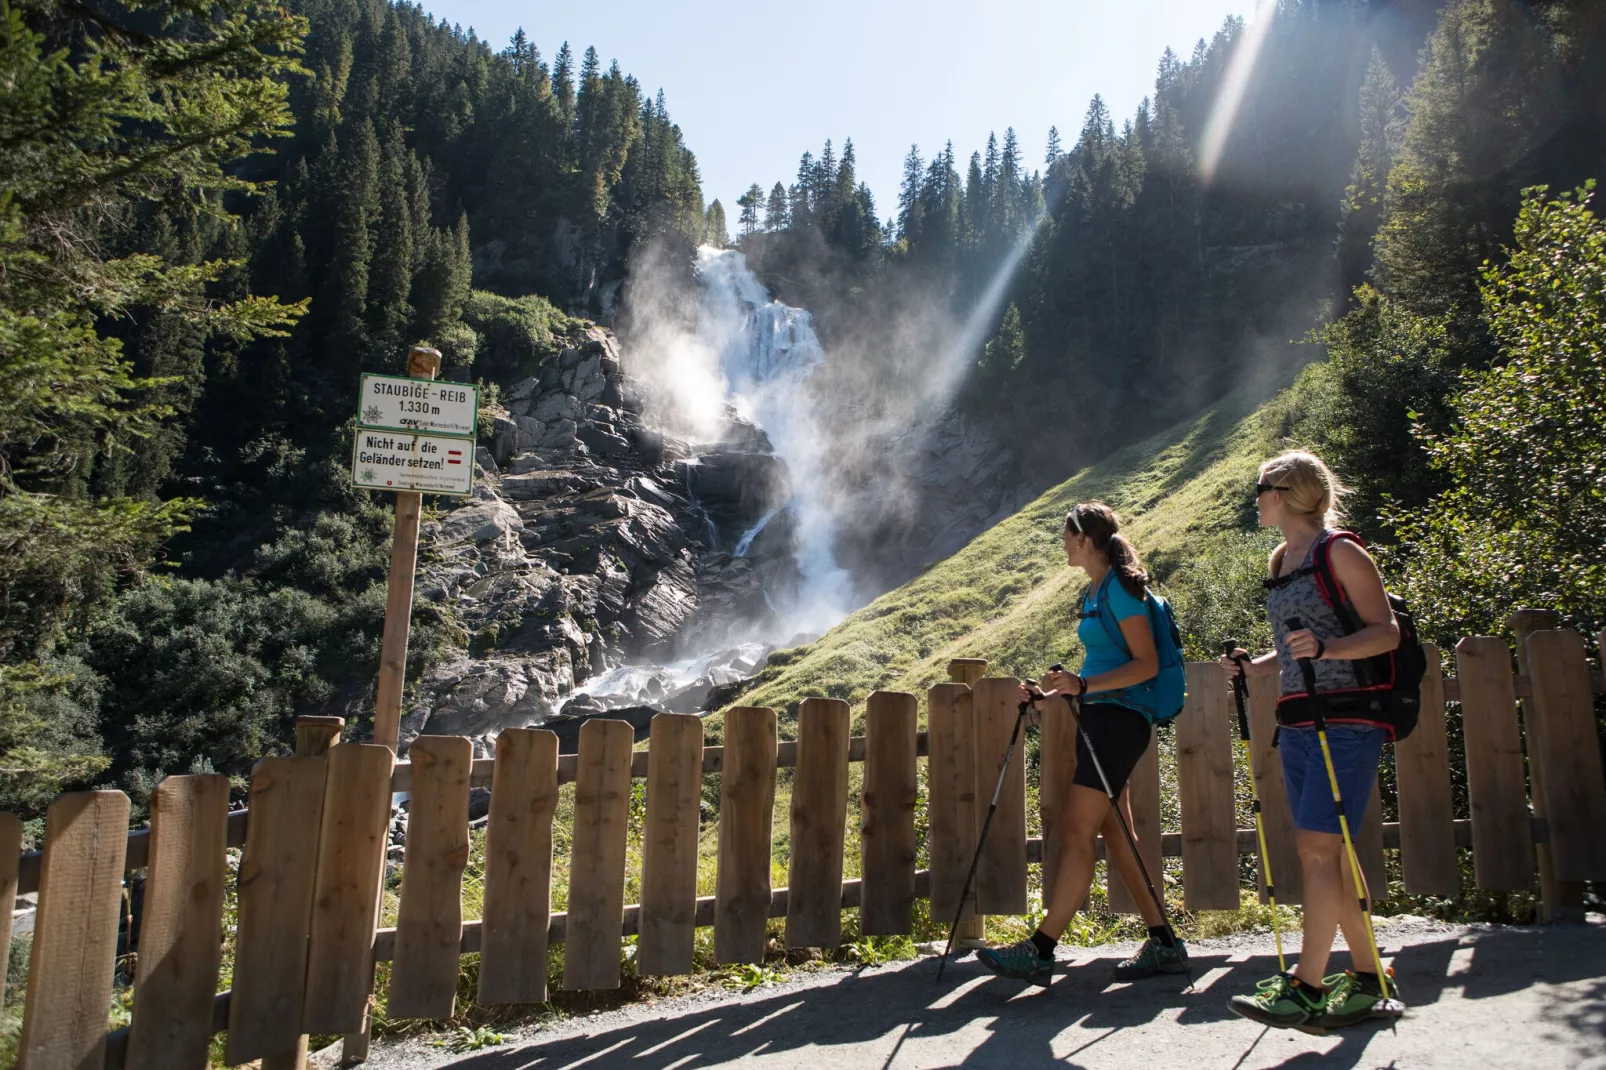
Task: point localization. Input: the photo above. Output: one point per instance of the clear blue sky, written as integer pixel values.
(753, 85)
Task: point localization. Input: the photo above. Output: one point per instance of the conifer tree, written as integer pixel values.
(750, 203)
(910, 196)
(1362, 209)
(716, 234)
(777, 213)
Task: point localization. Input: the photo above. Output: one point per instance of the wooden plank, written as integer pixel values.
(819, 820)
(951, 775)
(1205, 783)
(1001, 878)
(1145, 792)
(75, 933)
(345, 909)
(277, 875)
(181, 934)
(1502, 835)
(1369, 845)
(746, 820)
(1568, 750)
(669, 845)
(10, 863)
(887, 814)
(429, 920)
(1427, 814)
(597, 860)
(1276, 817)
(1056, 769)
(518, 867)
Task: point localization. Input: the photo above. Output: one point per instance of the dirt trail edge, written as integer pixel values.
(1481, 997)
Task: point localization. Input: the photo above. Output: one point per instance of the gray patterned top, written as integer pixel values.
(1301, 598)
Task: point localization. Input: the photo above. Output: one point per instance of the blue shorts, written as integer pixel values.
(1356, 751)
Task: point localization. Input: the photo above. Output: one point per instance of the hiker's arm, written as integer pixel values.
(1265, 665)
(1145, 663)
(1357, 573)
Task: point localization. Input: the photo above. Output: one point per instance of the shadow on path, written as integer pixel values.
(872, 1017)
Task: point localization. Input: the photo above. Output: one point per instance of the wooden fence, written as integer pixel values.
(315, 838)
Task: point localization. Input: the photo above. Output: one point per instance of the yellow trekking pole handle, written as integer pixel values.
(1228, 646)
(1308, 670)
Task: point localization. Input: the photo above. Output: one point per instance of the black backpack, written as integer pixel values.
(1391, 683)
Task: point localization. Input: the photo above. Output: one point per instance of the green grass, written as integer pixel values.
(1008, 596)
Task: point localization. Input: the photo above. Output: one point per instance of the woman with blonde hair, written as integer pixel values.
(1327, 582)
(1114, 627)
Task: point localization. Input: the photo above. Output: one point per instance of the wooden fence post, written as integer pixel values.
(887, 814)
(429, 920)
(597, 860)
(518, 867)
(972, 926)
(1205, 790)
(746, 821)
(1502, 833)
(351, 852)
(1558, 900)
(668, 936)
(1427, 817)
(951, 774)
(1569, 752)
(1001, 877)
(10, 862)
(819, 820)
(1287, 876)
(181, 937)
(75, 932)
(1056, 770)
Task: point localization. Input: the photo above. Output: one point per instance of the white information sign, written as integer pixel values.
(435, 464)
(391, 402)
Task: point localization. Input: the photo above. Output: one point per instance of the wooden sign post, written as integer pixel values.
(422, 363)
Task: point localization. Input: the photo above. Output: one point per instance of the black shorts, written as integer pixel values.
(1119, 735)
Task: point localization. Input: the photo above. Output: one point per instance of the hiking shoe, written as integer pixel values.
(1152, 958)
(1280, 1001)
(1019, 961)
(1353, 998)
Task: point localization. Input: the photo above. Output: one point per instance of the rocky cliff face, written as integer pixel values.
(593, 537)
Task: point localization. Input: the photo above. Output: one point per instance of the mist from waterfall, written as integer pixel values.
(766, 352)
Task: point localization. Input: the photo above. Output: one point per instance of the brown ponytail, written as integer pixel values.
(1098, 522)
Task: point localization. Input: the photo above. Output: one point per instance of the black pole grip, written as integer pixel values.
(1307, 669)
(1238, 684)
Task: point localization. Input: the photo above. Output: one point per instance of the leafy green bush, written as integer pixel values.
(1524, 522)
(210, 674)
(514, 334)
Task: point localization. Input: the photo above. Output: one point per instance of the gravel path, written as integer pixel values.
(1481, 997)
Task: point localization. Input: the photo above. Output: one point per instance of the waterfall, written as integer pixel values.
(767, 352)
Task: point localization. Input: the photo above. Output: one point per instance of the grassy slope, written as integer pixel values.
(1008, 596)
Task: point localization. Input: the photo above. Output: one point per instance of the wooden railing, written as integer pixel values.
(315, 838)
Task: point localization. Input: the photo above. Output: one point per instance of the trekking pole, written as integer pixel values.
(992, 808)
(1238, 687)
(1308, 669)
(1131, 840)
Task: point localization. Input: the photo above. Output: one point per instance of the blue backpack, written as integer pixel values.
(1160, 698)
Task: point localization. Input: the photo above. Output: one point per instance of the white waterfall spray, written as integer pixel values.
(767, 351)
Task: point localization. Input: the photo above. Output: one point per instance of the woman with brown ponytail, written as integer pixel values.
(1119, 732)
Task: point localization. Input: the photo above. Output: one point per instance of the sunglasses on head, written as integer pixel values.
(1261, 488)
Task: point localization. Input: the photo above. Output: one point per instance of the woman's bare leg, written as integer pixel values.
(1126, 863)
(1084, 814)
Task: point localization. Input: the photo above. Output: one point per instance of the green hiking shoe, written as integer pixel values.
(1152, 958)
(1280, 1001)
(1018, 961)
(1353, 998)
